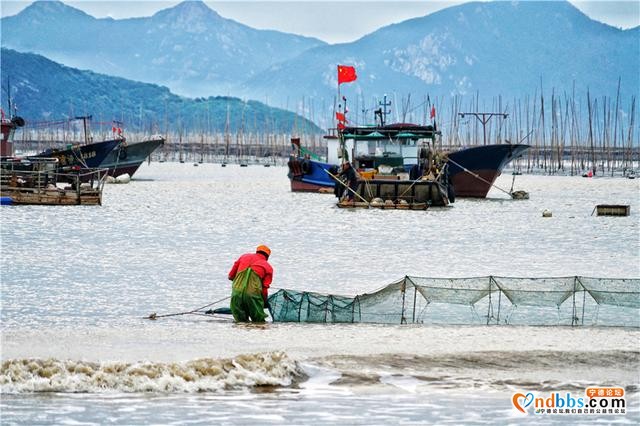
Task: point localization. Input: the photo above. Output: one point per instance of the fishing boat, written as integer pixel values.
(396, 167)
(472, 171)
(126, 158)
(41, 181)
(307, 172)
(89, 155)
(7, 129)
(85, 154)
(404, 150)
(8, 126)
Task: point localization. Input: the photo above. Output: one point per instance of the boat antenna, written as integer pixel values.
(381, 113)
(341, 126)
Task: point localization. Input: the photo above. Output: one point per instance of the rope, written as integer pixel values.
(436, 179)
(345, 185)
(115, 167)
(480, 177)
(367, 187)
(154, 316)
(513, 181)
(78, 156)
(409, 188)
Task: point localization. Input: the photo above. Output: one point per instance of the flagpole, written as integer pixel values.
(339, 98)
(340, 140)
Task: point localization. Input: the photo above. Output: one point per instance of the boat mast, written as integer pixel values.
(84, 119)
(226, 136)
(484, 118)
(9, 96)
(382, 112)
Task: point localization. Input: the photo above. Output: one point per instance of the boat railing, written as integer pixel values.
(26, 174)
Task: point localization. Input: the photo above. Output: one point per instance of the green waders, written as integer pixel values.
(246, 297)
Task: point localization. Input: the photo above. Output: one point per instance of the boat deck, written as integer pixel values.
(398, 194)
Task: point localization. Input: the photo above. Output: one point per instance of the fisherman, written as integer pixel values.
(349, 173)
(337, 189)
(251, 275)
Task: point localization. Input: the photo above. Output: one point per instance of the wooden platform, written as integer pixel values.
(53, 196)
(39, 181)
(613, 210)
(383, 206)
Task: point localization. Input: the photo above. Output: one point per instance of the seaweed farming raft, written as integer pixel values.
(570, 301)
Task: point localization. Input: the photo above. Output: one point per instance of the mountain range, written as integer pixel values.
(475, 49)
(188, 48)
(44, 90)
(479, 49)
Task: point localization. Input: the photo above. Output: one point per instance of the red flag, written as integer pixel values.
(346, 74)
(433, 112)
(341, 126)
(341, 117)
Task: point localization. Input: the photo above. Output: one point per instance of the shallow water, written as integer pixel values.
(77, 282)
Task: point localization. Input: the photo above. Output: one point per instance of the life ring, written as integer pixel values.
(122, 155)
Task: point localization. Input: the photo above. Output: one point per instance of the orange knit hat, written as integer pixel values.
(264, 249)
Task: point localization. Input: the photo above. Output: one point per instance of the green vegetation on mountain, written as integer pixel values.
(44, 90)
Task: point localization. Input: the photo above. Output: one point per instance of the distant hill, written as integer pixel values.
(44, 90)
(483, 49)
(189, 47)
(476, 50)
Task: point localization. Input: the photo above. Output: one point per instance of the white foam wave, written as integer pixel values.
(200, 375)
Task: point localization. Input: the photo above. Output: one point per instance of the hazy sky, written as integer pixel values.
(331, 21)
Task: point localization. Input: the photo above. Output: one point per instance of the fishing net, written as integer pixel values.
(292, 305)
(484, 300)
(617, 292)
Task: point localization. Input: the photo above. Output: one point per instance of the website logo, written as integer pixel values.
(596, 400)
(522, 401)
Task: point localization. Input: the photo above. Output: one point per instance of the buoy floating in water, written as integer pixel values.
(124, 178)
(520, 195)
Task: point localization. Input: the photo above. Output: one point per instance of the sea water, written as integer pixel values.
(79, 282)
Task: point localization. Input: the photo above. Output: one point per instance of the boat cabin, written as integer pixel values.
(384, 150)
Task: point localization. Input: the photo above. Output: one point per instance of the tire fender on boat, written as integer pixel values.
(295, 167)
(305, 166)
